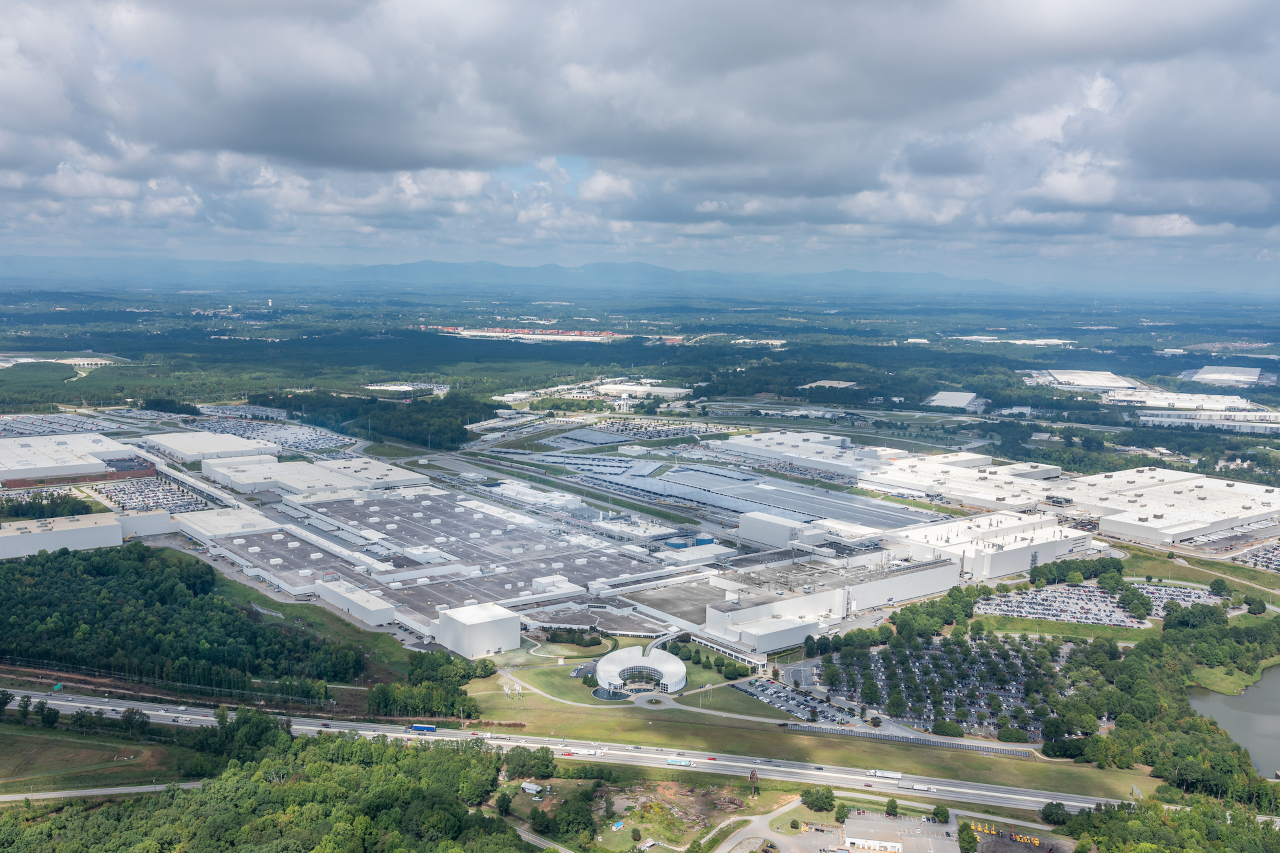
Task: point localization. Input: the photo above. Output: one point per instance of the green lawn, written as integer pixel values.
(1142, 562)
(690, 731)
(555, 681)
(1215, 678)
(1015, 625)
(734, 702)
(32, 758)
(392, 451)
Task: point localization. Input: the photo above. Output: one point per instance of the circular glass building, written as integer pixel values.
(631, 664)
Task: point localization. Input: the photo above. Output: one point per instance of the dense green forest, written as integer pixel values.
(167, 404)
(152, 613)
(43, 505)
(435, 422)
(330, 794)
(435, 687)
(1151, 827)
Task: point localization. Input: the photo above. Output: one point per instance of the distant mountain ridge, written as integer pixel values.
(19, 269)
(44, 272)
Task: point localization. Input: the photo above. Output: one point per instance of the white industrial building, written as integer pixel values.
(966, 400)
(1164, 507)
(1262, 423)
(77, 532)
(1233, 377)
(694, 555)
(297, 478)
(969, 479)
(1171, 400)
(374, 474)
(615, 668)
(365, 606)
(478, 630)
(1097, 381)
(49, 456)
(994, 545)
(627, 389)
(809, 450)
(520, 493)
(195, 446)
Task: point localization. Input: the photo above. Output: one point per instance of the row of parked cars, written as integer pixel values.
(791, 700)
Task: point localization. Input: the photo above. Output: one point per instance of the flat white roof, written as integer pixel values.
(55, 451)
(210, 443)
(1171, 400)
(951, 399)
(373, 472)
(1091, 379)
(1215, 375)
(479, 614)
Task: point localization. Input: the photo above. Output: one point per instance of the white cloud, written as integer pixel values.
(945, 133)
(605, 187)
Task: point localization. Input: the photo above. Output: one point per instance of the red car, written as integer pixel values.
(567, 754)
(324, 725)
(711, 758)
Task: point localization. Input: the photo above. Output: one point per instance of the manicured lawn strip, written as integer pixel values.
(734, 702)
(1142, 562)
(555, 681)
(691, 731)
(382, 649)
(1017, 625)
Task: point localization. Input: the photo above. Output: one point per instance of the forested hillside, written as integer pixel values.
(331, 794)
(436, 422)
(152, 613)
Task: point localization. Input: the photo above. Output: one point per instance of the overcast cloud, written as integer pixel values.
(1051, 139)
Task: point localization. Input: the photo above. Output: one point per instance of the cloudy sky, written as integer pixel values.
(1042, 140)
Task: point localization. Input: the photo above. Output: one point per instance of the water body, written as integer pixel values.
(1251, 718)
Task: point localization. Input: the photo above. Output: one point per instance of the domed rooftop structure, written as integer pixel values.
(631, 663)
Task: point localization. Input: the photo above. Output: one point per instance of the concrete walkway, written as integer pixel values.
(92, 792)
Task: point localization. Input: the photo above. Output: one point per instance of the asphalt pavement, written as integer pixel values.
(602, 752)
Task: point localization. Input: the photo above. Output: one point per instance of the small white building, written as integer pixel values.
(368, 608)
(478, 630)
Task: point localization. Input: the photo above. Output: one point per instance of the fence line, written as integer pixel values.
(970, 747)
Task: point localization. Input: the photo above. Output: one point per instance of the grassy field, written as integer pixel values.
(1015, 625)
(56, 760)
(1215, 678)
(1142, 562)
(555, 681)
(392, 451)
(382, 650)
(690, 731)
(734, 702)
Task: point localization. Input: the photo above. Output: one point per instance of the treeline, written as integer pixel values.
(332, 794)
(435, 687)
(1150, 827)
(574, 637)
(436, 422)
(707, 659)
(167, 404)
(43, 505)
(151, 613)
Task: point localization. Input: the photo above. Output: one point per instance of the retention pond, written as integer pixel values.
(1250, 717)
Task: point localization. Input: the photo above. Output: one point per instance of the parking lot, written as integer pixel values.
(286, 435)
(1087, 604)
(795, 702)
(149, 493)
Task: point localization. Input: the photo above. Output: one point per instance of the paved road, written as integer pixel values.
(642, 756)
(91, 792)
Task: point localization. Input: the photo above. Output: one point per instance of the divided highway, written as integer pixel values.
(844, 778)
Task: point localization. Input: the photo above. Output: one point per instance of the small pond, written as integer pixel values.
(1251, 718)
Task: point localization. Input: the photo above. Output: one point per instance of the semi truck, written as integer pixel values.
(915, 786)
(422, 727)
(885, 774)
(680, 762)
